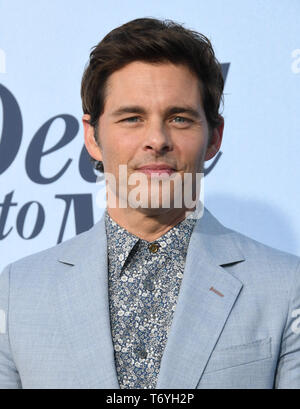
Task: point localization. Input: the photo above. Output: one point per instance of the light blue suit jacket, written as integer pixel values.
(235, 323)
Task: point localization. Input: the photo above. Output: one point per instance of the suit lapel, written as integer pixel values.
(207, 295)
(200, 315)
(84, 309)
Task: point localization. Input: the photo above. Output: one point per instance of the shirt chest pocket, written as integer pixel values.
(239, 355)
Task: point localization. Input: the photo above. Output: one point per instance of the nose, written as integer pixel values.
(158, 139)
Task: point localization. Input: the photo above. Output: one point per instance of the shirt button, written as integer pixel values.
(155, 309)
(142, 353)
(153, 247)
(149, 285)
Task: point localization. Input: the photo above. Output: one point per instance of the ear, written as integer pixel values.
(89, 139)
(215, 141)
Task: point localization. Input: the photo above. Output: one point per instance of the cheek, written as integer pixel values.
(119, 147)
(192, 152)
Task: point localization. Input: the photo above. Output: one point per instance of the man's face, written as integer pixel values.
(153, 114)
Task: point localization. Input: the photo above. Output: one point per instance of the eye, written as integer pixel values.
(181, 120)
(131, 119)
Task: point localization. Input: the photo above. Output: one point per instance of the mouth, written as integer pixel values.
(157, 169)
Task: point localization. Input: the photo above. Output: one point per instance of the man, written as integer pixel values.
(153, 296)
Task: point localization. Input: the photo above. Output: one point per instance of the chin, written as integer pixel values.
(154, 211)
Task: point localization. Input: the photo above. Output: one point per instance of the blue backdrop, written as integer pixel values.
(48, 190)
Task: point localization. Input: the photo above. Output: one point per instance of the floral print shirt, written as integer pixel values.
(143, 281)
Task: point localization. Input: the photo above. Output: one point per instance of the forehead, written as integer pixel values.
(153, 83)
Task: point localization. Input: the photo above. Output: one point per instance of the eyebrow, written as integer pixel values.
(135, 109)
(132, 109)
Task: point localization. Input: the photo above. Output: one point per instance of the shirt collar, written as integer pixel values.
(120, 242)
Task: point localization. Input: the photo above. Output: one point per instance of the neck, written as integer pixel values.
(148, 225)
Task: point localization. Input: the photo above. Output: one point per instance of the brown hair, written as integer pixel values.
(151, 40)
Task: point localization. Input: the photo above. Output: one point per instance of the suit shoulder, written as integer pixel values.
(45, 260)
(263, 254)
(254, 252)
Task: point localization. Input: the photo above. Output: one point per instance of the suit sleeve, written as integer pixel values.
(288, 369)
(9, 377)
